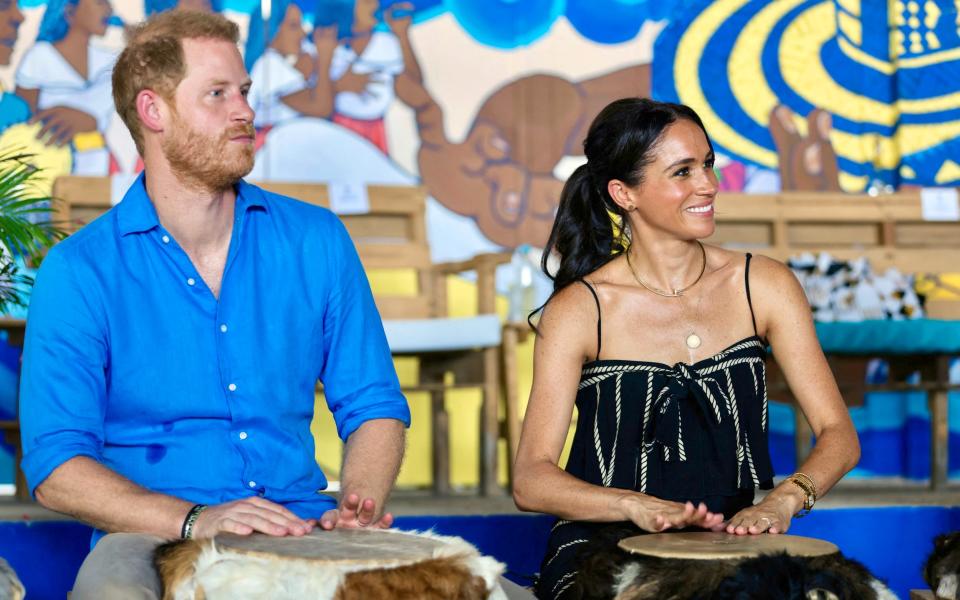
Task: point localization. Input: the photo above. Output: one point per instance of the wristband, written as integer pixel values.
(186, 531)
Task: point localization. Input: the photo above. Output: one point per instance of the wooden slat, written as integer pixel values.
(889, 230)
(828, 234)
(928, 234)
(736, 233)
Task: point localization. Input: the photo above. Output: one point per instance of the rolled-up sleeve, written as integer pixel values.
(359, 379)
(62, 385)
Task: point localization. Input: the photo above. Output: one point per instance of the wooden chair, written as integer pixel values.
(392, 237)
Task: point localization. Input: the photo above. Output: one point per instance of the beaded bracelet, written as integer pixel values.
(805, 483)
(186, 532)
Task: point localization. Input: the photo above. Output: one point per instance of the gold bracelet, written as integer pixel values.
(809, 481)
(805, 483)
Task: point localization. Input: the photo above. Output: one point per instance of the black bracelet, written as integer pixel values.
(186, 531)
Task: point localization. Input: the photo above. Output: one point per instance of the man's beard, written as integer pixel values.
(206, 162)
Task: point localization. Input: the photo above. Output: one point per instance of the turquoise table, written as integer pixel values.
(923, 345)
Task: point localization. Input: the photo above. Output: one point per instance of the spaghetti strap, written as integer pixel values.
(597, 300)
(746, 280)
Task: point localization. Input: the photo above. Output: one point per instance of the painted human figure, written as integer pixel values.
(13, 109)
(285, 77)
(66, 80)
(364, 65)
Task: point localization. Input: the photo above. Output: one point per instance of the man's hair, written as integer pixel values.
(153, 59)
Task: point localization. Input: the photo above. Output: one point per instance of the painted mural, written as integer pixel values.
(486, 102)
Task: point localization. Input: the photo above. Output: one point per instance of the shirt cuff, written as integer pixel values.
(387, 406)
(42, 459)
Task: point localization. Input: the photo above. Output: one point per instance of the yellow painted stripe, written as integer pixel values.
(689, 91)
(805, 74)
(744, 68)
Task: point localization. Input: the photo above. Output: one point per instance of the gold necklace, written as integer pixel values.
(677, 292)
(692, 340)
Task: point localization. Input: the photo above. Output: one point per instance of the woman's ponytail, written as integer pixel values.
(583, 232)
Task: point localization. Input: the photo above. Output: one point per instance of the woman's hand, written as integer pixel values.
(771, 515)
(654, 515)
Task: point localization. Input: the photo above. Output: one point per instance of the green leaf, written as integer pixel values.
(25, 225)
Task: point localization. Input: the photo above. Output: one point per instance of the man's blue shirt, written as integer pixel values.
(131, 360)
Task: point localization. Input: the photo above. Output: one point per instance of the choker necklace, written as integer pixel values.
(692, 340)
(677, 292)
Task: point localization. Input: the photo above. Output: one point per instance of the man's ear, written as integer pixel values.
(153, 110)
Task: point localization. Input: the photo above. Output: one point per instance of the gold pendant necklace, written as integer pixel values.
(677, 292)
(692, 340)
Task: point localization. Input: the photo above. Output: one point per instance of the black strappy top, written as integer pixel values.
(676, 432)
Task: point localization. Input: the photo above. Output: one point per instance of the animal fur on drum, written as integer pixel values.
(604, 571)
(942, 569)
(198, 570)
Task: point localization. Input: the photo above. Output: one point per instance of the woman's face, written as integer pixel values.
(365, 15)
(92, 16)
(10, 20)
(676, 197)
(290, 33)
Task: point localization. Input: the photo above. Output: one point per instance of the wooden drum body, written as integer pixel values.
(343, 564)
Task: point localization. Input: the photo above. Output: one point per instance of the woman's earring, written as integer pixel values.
(631, 207)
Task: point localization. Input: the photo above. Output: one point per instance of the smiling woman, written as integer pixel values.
(660, 342)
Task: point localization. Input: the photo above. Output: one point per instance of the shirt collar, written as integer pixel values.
(136, 214)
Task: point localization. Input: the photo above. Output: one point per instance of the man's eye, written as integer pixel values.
(216, 93)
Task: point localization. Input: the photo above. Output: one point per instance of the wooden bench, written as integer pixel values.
(890, 231)
(391, 236)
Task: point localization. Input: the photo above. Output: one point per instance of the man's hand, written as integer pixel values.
(354, 514)
(245, 516)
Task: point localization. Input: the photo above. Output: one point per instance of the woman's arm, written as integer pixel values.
(317, 100)
(567, 336)
(784, 317)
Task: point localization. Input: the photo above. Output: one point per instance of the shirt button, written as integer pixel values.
(223, 328)
(243, 435)
(252, 484)
(232, 387)
(191, 281)
(166, 239)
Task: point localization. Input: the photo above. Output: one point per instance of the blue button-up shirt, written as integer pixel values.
(132, 361)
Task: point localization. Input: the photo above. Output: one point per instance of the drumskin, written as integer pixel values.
(199, 569)
(605, 571)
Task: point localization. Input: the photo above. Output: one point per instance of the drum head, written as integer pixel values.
(353, 547)
(706, 545)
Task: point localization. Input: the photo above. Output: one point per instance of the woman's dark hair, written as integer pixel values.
(619, 145)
